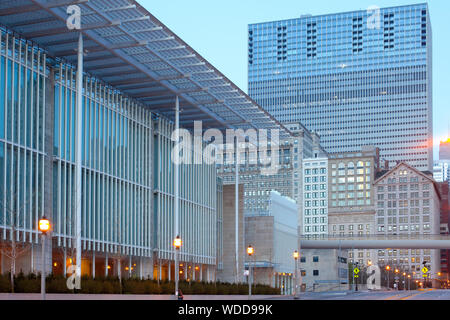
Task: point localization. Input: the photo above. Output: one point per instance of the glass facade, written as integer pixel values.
(116, 160)
(198, 198)
(353, 83)
(127, 193)
(23, 74)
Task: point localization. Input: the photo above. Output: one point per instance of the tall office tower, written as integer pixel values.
(356, 78)
(444, 149)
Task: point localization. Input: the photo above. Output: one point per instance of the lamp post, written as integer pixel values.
(409, 282)
(296, 255)
(44, 227)
(396, 273)
(404, 280)
(177, 243)
(387, 269)
(250, 252)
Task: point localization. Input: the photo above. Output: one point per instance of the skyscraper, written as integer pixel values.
(444, 150)
(356, 78)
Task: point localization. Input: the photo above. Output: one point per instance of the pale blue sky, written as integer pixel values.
(218, 31)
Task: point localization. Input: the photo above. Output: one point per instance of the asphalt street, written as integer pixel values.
(421, 294)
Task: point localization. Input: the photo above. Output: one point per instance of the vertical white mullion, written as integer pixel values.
(115, 169)
(6, 123)
(82, 158)
(97, 201)
(139, 222)
(89, 196)
(32, 91)
(136, 178)
(13, 76)
(19, 150)
(69, 160)
(43, 130)
(60, 104)
(107, 169)
(127, 211)
(133, 177)
(120, 172)
(94, 210)
(149, 152)
(28, 143)
(97, 129)
(102, 166)
(158, 183)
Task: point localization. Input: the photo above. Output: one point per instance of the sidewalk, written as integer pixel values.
(69, 296)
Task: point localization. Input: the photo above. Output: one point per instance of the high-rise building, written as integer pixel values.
(351, 210)
(407, 203)
(441, 170)
(444, 150)
(356, 78)
(287, 180)
(315, 196)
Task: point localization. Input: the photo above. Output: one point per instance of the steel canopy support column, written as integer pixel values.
(176, 209)
(236, 208)
(78, 146)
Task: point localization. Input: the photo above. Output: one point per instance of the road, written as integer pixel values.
(422, 294)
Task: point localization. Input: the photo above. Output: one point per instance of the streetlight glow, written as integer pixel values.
(44, 225)
(296, 254)
(250, 250)
(177, 243)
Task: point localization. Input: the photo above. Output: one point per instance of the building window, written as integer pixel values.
(315, 272)
(315, 259)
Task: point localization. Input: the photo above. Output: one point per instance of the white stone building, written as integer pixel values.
(407, 203)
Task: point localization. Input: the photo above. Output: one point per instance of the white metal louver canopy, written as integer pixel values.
(131, 50)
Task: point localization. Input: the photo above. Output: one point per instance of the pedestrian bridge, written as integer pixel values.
(403, 241)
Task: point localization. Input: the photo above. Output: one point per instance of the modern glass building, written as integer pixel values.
(356, 78)
(134, 74)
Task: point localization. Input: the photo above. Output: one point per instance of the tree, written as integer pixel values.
(17, 246)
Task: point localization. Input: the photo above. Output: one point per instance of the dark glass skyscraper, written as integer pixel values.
(356, 78)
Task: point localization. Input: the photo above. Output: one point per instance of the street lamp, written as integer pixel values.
(44, 227)
(396, 272)
(296, 255)
(250, 252)
(387, 269)
(404, 282)
(409, 282)
(177, 243)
